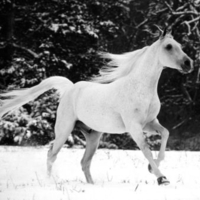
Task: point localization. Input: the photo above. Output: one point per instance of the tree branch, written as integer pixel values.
(182, 7)
(187, 93)
(187, 23)
(194, 20)
(142, 23)
(185, 13)
(35, 55)
(181, 12)
(169, 6)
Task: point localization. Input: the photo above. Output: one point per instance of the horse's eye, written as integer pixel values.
(169, 47)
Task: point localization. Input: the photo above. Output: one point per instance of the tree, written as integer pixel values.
(54, 38)
(46, 38)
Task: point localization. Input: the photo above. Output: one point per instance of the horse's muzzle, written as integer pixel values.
(187, 66)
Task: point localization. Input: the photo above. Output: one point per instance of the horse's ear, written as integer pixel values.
(170, 31)
(163, 33)
(167, 31)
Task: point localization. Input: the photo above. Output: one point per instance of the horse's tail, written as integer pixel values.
(17, 98)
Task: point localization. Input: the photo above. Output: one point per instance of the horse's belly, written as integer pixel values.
(102, 121)
(99, 117)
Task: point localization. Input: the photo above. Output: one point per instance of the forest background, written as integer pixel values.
(39, 39)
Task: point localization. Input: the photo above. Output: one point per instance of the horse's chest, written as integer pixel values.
(153, 109)
(146, 108)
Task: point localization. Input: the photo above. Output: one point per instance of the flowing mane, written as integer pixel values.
(119, 66)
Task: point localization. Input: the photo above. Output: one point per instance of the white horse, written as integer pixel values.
(121, 99)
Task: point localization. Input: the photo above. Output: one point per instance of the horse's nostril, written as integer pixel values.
(187, 63)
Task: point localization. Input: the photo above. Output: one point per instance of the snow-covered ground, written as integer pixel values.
(117, 174)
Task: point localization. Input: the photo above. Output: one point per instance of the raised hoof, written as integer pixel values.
(150, 168)
(163, 181)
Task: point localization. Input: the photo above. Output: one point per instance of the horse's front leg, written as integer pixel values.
(155, 126)
(136, 131)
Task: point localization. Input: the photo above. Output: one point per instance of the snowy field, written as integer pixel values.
(117, 174)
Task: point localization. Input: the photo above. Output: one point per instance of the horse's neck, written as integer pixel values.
(145, 75)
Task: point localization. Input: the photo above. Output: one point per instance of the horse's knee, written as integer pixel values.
(164, 133)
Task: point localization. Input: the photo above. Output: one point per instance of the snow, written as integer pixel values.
(117, 174)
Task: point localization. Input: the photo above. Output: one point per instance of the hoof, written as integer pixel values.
(163, 181)
(150, 168)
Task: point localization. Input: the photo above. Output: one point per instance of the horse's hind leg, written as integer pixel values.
(92, 142)
(62, 134)
(65, 122)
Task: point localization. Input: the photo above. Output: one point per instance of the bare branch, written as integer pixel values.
(169, 6)
(35, 55)
(198, 32)
(187, 93)
(194, 20)
(177, 20)
(187, 23)
(185, 13)
(188, 27)
(179, 124)
(181, 12)
(142, 23)
(184, 6)
(162, 10)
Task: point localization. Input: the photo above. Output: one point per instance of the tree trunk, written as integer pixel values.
(7, 29)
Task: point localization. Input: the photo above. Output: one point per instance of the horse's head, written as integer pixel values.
(171, 54)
